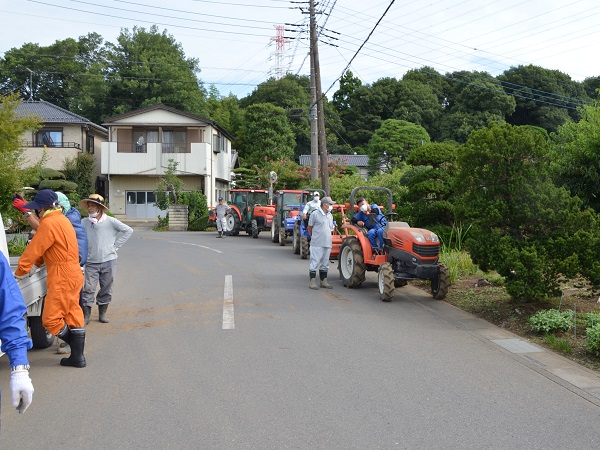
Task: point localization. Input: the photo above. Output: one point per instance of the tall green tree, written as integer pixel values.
(266, 135)
(577, 156)
(429, 196)
(524, 227)
(473, 100)
(544, 98)
(58, 71)
(12, 127)
(150, 67)
(393, 142)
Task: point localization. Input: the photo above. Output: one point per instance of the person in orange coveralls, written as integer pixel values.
(55, 244)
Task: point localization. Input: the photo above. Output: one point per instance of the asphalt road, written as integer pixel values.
(293, 368)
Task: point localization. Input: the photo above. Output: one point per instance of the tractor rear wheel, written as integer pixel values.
(296, 239)
(351, 263)
(304, 247)
(255, 230)
(282, 236)
(441, 283)
(274, 232)
(232, 224)
(385, 280)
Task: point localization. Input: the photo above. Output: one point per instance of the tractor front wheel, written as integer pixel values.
(255, 230)
(296, 239)
(441, 283)
(274, 232)
(304, 247)
(232, 224)
(282, 236)
(385, 280)
(351, 263)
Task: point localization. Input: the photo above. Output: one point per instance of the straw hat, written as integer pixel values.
(95, 198)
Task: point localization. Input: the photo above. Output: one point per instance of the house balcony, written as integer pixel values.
(120, 158)
(53, 156)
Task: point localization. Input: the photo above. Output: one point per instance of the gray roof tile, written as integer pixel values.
(52, 114)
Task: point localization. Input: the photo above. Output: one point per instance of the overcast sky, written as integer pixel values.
(234, 40)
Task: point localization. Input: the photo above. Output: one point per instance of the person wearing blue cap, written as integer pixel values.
(55, 244)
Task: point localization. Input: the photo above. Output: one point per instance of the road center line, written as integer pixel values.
(196, 245)
(228, 320)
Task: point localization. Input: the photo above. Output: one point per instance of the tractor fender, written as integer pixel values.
(362, 239)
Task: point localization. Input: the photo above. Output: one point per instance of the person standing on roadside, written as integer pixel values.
(320, 227)
(220, 211)
(105, 236)
(13, 334)
(55, 244)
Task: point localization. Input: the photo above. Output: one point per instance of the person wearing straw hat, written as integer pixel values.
(55, 244)
(320, 227)
(105, 236)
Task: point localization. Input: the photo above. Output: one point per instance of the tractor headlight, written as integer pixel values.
(434, 238)
(418, 236)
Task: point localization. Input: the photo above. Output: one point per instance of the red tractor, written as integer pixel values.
(408, 254)
(249, 210)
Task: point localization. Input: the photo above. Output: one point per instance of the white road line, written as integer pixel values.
(228, 320)
(196, 245)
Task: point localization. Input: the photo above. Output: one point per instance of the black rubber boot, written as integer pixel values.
(323, 277)
(87, 311)
(312, 279)
(64, 334)
(220, 234)
(77, 342)
(102, 313)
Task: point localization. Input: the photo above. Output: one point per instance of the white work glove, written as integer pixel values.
(33, 270)
(22, 390)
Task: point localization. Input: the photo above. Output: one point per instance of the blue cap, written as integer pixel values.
(43, 199)
(220, 199)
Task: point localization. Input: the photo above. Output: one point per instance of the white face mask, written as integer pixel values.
(94, 215)
(364, 207)
(330, 208)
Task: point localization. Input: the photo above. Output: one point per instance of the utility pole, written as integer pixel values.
(314, 127)
(320, 114)
(30, 83)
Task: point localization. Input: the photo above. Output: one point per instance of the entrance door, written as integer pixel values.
(140, 205)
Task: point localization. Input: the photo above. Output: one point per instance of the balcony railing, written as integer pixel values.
(131, 147)
(134, 147)
(176, 148)
(56, 145)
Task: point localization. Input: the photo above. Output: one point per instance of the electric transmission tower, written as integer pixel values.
(280, 50)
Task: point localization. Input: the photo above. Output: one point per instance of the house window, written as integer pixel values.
(50, 137)
(90, 144)
(219, 143)
(141, 137)
(175, 141)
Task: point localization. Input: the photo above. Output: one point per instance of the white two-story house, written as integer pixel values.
(140, 145)
(63, 135)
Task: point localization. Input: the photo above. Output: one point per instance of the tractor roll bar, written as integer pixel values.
(370, 188)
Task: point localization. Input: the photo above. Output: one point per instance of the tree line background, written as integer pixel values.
(515, 158)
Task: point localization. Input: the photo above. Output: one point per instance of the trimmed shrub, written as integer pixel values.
(551, 321)
(592, 343)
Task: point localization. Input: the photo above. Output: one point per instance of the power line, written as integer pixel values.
(361, 46)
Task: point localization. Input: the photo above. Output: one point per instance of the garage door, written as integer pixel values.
(140, 205)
